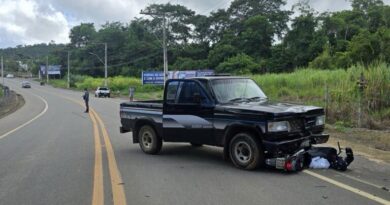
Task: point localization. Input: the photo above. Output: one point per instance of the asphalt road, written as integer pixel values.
(53, 153)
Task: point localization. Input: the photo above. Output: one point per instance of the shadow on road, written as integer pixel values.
(184, 154)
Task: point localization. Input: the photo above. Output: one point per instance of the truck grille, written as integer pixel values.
(296, 125)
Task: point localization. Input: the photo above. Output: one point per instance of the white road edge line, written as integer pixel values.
(349, 188)
(30, 121)
(362, 181)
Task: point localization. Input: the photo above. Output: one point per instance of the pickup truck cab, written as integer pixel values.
(229, 112)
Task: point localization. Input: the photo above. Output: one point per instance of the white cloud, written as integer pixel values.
(36, 21)
(27, 22)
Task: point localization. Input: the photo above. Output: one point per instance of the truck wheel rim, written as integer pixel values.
(243, 152)
(147, 140)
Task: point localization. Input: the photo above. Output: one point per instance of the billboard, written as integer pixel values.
(52, 69)
(157, 77)
(153, 77)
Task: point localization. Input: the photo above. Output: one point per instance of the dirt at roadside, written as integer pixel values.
(373, 144)
(10, 104)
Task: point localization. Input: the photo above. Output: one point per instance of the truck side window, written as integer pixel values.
(188, 89)
(172, 91)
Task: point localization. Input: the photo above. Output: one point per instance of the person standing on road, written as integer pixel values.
(86, 99)
(131, 93)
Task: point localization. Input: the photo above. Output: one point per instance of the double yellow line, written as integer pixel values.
(118, 193)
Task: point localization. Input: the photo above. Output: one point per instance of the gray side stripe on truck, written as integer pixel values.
(189, 121)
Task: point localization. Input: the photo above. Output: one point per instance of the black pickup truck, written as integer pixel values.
(228, 112)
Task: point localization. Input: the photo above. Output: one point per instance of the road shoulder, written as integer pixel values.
(11, 103)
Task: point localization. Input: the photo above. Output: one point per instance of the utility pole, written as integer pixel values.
(68, 69)
(152, 13)
(47, 69)
(105, 64)
(165, 50)
(2, 70)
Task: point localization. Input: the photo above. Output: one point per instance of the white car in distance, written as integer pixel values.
(102, 92)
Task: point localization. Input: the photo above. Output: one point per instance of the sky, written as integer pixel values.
(26, 22)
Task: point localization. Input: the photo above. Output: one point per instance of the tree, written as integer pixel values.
(281, 59)
(239, 65)
(189, 64)
(82, 34)
(376, 18)
(303, 40)
(240, 10)
(201, 32)
(178, 21)
(256, 39)
(384, 37)
(364, 48)
(220, 53)
(364, 5)
(219, 24)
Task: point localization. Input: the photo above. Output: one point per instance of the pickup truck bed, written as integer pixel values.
(141, 111)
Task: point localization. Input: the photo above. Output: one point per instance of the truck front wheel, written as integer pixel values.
(245, 151)
(149, 142)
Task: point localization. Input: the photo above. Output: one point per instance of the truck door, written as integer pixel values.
(187, 113)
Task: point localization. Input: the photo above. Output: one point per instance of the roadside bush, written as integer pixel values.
(323, 61)
(240, 64)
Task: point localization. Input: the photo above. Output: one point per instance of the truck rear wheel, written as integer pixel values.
(149, 142)
(245, 151)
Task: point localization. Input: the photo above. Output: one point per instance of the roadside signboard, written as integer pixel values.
(157, 77)
(52, 69)
(153, 77)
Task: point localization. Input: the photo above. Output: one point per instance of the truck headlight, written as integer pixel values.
(320, 120)
(280, 126)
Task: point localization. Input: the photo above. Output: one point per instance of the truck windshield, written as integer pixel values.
(231, 90)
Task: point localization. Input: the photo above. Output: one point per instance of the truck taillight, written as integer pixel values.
(288, 166)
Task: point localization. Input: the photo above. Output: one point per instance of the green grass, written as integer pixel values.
(118, 84)
(149, 95)
(58, 83)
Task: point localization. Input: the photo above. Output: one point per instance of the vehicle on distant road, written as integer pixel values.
(10, 76)
(228, 112)
(102, 92)
(26, 84)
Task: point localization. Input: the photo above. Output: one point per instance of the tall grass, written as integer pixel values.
(310, 86)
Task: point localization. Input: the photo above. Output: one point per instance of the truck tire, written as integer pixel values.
(246, 152)
(149, 142)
